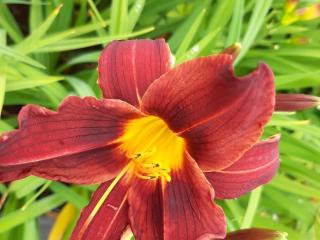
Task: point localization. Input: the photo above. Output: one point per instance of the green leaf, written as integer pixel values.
(3, 190)
(64, 19)
(289, 202)
(90, 57)
(57, 37)
(82, 14)
(297, 80)
(2, 88)
(179, 34)
(119, 15)
(8, 22)
(31, 82)
(292, 51)
(78, 43)
(256, 21)
(96, 13)
(221, 14)
(30, 230)
(153, 8)
(36, 15)
(24, 187)
(82, 89)
(196, 49)
(19, 56)
(236, 210)
(36, 209)
(39, 32)
(293, 186)
(68, 194)
(134, 14)
(185, 44)
(5, 127)
(236, 23)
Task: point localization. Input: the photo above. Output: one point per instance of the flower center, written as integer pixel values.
(152, 147)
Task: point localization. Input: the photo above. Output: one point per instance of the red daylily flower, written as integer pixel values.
(164, 143)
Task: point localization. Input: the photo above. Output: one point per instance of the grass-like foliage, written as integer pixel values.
(49, 50)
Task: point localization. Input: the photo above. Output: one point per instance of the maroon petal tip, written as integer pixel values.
(256, 167)
(127, 68)
(232, 50)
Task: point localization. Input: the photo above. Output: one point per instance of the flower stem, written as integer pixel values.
(251, 208)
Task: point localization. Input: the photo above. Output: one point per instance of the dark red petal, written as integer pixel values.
(81, 168)
(90, 167)
(206, 88)
(189, 210)
(145, 209)
(223, 139)
(256, 167)
(127, 68)
(8, 174)
(11, 173)
(295, 102)
(180, 209)
(111, 219)
(256, 233)
(79, 125)
(75, 144)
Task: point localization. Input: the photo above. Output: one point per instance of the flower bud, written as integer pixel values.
(295, 102)
(256, 233)
(309, 13)
(300, 40)
(290, 5)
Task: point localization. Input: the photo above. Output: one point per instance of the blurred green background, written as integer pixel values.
(49, 50)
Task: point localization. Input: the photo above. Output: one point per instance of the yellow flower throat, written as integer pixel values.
(152, 147)
(153, 150)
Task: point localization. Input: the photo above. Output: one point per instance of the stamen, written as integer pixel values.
(152, 147)
(145, 169)
(103, 198)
